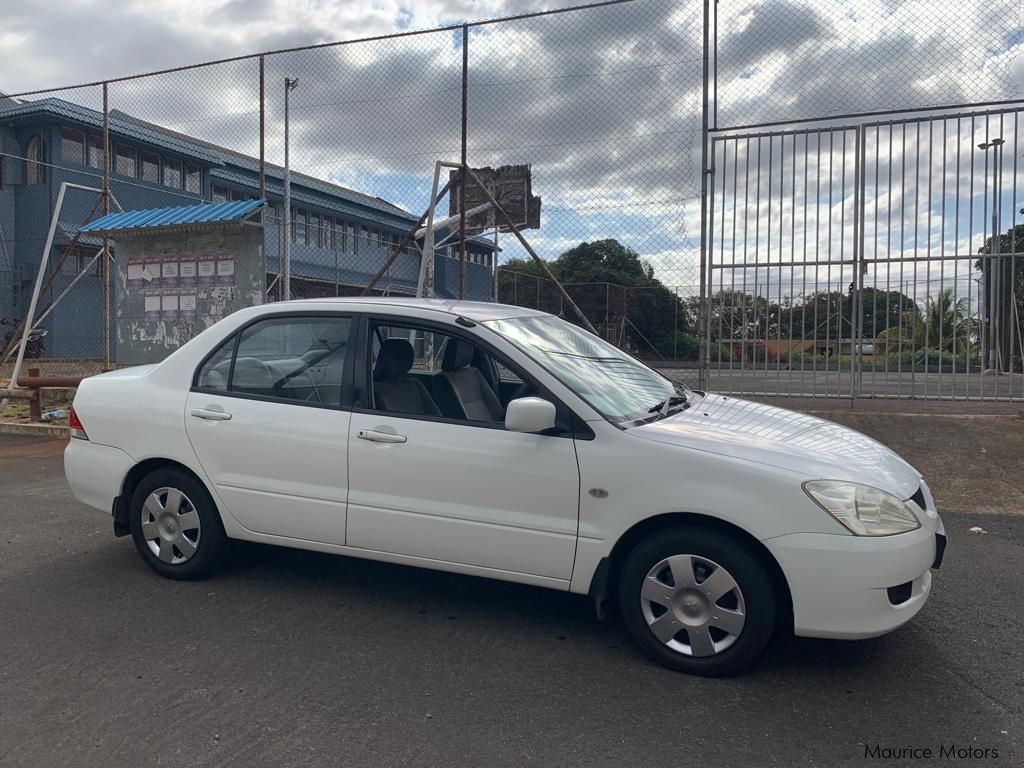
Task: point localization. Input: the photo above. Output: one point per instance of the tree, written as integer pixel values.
(613, 286)
(1002, 286)
(946, 325)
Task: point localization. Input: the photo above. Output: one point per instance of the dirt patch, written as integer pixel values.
(971, 463)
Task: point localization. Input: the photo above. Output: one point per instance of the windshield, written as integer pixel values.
(617, 385)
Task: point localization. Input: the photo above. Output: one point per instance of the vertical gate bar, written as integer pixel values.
(888, 267)
(105, 258)
(803, 269)
(875, 263)
(997, 247)
(757, 260)
(781, 212)
(709, 182)
(721, 265)
(970, 250)
(917, 188)
(732, 261)
(817, 264)
(942, 259)
(902, 241)
(703, 329)
(792, 274)
(984, 290)
(956, 261)
(828, 285)
(842, 263)
(768, 260)
(742, 296)
(859, 171)
(928, 250)
(1014, 298)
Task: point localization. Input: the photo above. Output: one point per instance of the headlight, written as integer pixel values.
(864, 510)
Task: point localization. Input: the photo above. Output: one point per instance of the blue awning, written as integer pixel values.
(204, 213)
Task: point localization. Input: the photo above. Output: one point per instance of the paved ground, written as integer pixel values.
(291, 658)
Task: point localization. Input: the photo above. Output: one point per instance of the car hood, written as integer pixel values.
(807, 445)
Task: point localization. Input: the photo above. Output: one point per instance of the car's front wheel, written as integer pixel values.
(697, 600)
(175, 525)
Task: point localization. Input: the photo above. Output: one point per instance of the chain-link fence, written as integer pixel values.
(614, 107)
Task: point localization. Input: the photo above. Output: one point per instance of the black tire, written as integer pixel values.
(211, 541)
(742, 563)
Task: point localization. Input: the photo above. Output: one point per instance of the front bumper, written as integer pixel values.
(840, 584)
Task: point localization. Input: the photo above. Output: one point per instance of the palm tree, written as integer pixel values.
(946, 325)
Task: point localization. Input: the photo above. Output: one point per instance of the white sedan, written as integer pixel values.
(502, 442)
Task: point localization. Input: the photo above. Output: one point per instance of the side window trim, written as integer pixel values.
(346, 374)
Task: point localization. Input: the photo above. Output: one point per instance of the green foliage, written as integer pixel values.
(929, 356)
(804, 359)
(613, 286)
(719, 353)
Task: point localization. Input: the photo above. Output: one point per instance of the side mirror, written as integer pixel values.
(529, 414)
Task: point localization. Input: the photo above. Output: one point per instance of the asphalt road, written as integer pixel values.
(293, 658)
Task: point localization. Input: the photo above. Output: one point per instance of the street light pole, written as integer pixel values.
(992, 303)
(286, 256)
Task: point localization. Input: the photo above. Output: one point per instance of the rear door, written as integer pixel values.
(268, 420)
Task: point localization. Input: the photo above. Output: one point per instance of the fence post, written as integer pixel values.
(263, 131)
(702, 331)
(35, 403)
(465, 179)
(105, 258)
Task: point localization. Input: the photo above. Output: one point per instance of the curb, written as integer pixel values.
(34, 430)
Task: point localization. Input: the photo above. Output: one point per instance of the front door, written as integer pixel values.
(434, 474)
(267, 424)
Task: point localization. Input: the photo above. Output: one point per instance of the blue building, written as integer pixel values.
(340, 237)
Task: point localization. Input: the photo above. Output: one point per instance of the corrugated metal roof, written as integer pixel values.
(205, 213)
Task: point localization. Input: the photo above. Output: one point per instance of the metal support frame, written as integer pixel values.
(30, 318)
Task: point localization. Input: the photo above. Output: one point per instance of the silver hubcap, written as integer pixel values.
(170, 525)
(693, 605)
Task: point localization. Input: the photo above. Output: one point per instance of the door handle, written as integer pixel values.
(380, 437)
(211, 415)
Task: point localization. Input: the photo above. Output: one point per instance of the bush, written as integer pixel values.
(797, 357)
(719, 353)
(928, 357)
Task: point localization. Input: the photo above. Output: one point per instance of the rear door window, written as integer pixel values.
(297, 359)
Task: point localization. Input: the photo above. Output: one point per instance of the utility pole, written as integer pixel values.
(286, 260)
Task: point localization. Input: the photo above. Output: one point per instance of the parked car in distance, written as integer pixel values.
(502, 442)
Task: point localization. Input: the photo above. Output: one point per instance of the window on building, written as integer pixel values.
(300, 222)
(150, 167)
(1, 171)
(220, 194)
(72, 146)
(339, 241)
(193, 179)
(172, 173)
(315, 233)
(96, 152)
(353, 239)
(35, 171)
(126, 161)
(327, 225)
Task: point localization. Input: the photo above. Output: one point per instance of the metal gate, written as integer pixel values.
(879, 259)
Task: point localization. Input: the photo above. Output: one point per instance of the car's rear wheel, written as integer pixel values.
(175, 525)
(697, 600)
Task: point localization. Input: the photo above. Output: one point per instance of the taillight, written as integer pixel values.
(75, 425)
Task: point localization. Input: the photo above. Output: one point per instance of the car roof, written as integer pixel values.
(474, 310)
